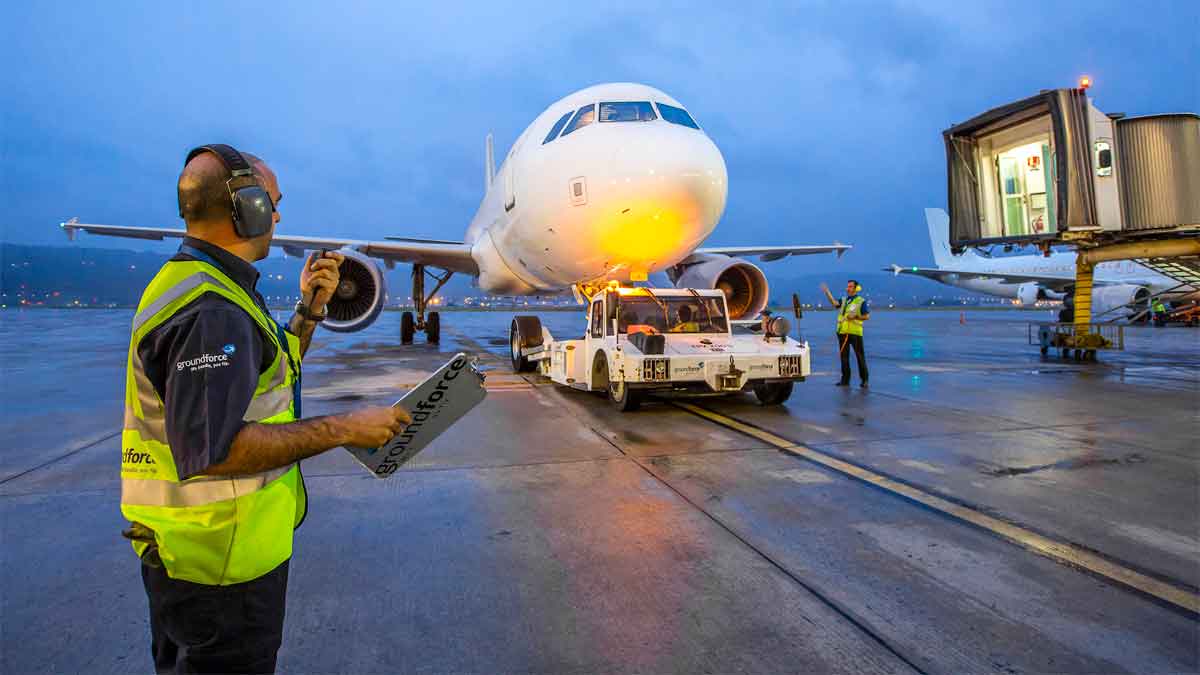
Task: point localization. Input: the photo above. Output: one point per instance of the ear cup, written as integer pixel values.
(252, 212)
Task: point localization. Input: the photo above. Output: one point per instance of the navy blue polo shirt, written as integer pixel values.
(204, 405)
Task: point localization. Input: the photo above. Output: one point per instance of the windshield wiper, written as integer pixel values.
(703, 305)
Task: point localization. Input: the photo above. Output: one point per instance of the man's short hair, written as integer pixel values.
(204, 195)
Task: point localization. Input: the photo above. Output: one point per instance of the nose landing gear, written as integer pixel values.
(431, 325)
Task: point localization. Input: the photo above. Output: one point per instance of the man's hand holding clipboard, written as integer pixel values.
(434, 405)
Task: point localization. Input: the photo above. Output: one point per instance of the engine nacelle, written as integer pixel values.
(1028, 293)
(1106, 300)
(744, 284)
(360, 294)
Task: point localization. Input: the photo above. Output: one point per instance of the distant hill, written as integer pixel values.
(77, 276)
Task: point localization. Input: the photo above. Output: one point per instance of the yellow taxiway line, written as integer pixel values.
(1042, 545)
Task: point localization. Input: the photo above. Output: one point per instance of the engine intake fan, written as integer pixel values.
(743, 283)
(360, 294)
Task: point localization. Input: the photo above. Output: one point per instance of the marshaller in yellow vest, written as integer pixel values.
(852, 311)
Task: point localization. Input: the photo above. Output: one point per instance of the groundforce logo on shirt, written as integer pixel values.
(204, 361)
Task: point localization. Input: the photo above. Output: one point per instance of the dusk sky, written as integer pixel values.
(374, 115)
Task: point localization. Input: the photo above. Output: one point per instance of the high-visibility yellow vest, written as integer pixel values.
(844, 325)
(215, 530)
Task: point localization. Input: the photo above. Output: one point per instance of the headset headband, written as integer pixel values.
(239, 169)
(252, 209)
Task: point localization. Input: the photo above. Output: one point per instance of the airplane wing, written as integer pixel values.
(769, 253)
(452, 256)
(1055, 283)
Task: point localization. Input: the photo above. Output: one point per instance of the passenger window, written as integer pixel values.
(556, 128)
(1104, 163)
(597, 319)
(633, 111)
(677, 116)
(585, 116)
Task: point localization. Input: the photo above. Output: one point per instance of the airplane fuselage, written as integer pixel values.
(1057, 264)
(627, 194)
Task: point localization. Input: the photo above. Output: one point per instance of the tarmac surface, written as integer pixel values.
(547, 532)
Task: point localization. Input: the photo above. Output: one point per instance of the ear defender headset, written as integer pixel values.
(252, 208)
(857, 287)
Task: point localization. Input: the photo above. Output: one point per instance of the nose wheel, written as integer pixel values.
(411, 323)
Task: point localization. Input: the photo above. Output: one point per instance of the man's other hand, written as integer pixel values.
(372, 427)
(320, 279)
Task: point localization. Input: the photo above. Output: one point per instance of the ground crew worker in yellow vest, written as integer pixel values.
(852, 312)
(212, 439)
(1158, 312)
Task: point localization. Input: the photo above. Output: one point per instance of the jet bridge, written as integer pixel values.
(1052, 169)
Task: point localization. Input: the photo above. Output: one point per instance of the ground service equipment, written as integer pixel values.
(664, 341)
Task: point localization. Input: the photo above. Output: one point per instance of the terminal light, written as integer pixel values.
(1085, 82)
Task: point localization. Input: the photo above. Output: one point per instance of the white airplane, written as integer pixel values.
(1029, 278)
(615, 181)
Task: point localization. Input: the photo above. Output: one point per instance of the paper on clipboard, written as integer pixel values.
(435, 404)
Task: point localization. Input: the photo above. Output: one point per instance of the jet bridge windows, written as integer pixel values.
(583, 117)
(627, 111)
(557, 128)
(677, 116)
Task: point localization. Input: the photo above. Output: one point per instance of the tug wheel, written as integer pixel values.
(622, 397)
(525, 332)
(772, 393)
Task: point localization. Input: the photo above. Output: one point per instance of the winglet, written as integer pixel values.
(840, 251)
(69, 228)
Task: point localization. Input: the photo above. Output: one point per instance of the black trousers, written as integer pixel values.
(846, 342)
(196, 628)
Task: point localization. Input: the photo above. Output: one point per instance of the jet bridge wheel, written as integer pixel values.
(772, 393)
(525, 332)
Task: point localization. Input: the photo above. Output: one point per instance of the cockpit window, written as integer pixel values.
(556, 128)
(677, 116)
(629, 111)
(583, 117)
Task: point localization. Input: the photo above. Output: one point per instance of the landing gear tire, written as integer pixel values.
(1078, 355)
(408, 328)
(525, 332)
(622, 397)
(772, 393)
(1066, 353)
(433, 328)
(1089, 355)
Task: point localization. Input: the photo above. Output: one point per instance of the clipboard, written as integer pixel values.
(435, 404)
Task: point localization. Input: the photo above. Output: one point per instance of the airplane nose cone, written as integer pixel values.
(665, 193)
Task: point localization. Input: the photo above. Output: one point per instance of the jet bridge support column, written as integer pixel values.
(1083, 296)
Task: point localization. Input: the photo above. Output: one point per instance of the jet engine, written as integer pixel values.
(1106, 300)
(744, 284)
(360, 294)
(1028, 293)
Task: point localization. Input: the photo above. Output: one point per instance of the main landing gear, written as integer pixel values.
(431, 325)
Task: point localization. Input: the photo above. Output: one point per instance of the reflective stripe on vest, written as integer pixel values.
(215, 530)
(844, 325)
